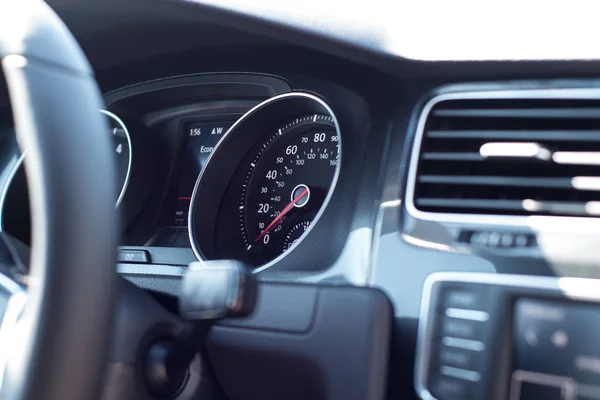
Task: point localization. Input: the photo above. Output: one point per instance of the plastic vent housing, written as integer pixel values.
(509, 156)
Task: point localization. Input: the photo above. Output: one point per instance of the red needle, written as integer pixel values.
(281, 215)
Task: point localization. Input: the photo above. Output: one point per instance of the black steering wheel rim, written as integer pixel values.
(59, 346)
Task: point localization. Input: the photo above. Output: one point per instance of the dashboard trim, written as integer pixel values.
(154, 270)
(195, 249)
(568, 223)
(573, 288)
(277, 84)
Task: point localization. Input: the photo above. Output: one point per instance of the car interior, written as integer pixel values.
(233, 200)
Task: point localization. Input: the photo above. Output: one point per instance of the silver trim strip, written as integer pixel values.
(466, 344)
(152, 270)
(568, 223)
(265, 103)
(126, 183)
(573, 288)
(472, 315)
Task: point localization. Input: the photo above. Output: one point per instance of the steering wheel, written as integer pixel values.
(56, 322)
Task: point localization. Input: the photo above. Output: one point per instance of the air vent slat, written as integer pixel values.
(499, 206)
(575, 113)
(472, 203)
(509, 157)
(453, 156)
(558, 135)
(554, 183)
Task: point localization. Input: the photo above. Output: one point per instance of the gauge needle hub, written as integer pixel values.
(282, 214)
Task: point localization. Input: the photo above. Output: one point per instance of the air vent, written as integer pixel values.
(510, 157)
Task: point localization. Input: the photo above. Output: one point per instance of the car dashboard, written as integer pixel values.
(164, 133)
(327, 168)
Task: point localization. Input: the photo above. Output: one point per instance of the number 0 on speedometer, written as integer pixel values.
(289, 177)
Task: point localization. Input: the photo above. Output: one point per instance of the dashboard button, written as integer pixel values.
(521, 241)
(460, 358)
(448, 388)
(467, 298)
(133, 256)
(507, 240)
(462, 328)
(479, 238)
(494, 239)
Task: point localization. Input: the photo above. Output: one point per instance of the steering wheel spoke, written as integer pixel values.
(13, 298)
(14, 259)
(14, 256)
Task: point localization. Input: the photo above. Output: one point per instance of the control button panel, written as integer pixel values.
(458, 340)
(515, 337)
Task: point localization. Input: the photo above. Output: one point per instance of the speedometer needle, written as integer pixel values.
(282, 214)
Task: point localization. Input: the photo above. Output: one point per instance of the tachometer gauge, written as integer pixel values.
(267, 182)
(14, 211)
(122, 152)
(287, 182)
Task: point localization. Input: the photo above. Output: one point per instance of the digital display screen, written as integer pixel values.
(555, 353)
(200, 140)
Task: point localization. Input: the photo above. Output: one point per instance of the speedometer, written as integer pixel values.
(286, 184)
(267, 183)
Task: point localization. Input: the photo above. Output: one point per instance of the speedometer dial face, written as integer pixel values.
(288, 180)
(267, 184)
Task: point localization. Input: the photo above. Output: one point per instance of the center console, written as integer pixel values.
(494, 336)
